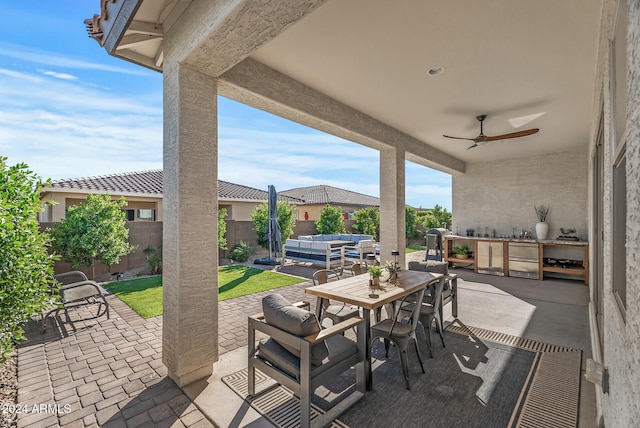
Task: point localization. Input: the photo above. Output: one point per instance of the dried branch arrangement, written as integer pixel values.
(541, 212)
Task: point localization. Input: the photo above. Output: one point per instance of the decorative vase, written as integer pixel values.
(542, 229)
(375, 281)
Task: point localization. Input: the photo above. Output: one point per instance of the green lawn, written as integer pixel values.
(144, 295)
(413, 248)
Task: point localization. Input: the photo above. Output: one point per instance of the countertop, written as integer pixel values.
(533, 241)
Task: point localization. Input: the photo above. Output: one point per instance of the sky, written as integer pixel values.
(68, 110)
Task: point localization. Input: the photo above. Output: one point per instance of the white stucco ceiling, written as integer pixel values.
(504, 58)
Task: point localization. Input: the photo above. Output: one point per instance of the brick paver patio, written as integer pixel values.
(110, 372)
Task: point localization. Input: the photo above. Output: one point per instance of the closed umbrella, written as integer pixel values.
(272, 232)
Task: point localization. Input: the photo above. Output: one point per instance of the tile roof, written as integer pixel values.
(150, 183)
(323, 194)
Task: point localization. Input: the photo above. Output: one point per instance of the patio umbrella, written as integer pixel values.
(272, 232)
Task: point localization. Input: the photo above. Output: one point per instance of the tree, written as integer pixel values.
(222, 228)
(26, 267)
(93, 231)
(411, 222)
(435, 217)
(367, 221)
(260, 218)
(330, 221)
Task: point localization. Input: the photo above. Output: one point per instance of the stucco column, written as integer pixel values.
(190, 239)
(392, 205)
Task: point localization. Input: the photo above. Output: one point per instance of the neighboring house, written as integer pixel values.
(143, 192)
(317, 197)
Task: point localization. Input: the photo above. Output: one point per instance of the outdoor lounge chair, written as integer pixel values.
(77, 290)
(300, 355)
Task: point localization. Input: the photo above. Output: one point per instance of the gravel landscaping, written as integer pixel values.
(8, 390)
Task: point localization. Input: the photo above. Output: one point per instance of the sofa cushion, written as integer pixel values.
(280, 313)
(291, 244)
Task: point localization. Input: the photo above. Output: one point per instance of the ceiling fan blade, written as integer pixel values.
(459, 138)
(512, 135)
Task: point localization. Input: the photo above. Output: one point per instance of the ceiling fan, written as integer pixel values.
(482, 139)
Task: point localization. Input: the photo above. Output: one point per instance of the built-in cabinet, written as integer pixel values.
(575, 263)
(490, 257)
(555, 258)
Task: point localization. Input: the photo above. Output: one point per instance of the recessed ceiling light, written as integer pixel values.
(434, 71)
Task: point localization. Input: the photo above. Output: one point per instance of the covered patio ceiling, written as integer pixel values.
(524, 64)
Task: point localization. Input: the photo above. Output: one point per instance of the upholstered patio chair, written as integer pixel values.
(299, 355)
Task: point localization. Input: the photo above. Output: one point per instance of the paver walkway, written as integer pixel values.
(110, 372)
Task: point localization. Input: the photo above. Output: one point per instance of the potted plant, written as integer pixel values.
(462, 252)
(393, 268)
(375, 272)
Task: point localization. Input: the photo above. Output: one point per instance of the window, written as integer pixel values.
(145, 214)
(131, 215)
(618, 93)
(619, 232)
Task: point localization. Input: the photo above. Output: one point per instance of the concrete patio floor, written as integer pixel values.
(110, 372)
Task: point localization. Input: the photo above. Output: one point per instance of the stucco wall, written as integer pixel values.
(622, 336)
(501, 195)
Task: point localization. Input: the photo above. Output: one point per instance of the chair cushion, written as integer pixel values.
(339, 349)
(430, 266)
(280, 313)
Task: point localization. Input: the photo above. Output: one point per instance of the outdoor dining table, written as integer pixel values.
(355, 291)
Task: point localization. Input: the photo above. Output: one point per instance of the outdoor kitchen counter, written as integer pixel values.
(575, 253)
(533, 241)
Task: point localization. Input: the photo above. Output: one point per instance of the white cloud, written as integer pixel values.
(22, 76)
(63, 76)
(26, 53)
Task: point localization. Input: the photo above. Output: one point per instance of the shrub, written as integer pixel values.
(154, 260)
(260, 218)
(26, 267)
(240, 252)
(222, 229)
(411, 223)
(93, 231)
(435, 217)
(330, 221)
(367, 221)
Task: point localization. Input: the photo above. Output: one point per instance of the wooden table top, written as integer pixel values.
(355, 290)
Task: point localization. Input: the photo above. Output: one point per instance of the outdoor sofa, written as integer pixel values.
(318, 249)
(314, 252)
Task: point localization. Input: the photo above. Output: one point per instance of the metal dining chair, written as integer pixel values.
(336, 312)
(428, 313)
(400, 333)
(357, 268)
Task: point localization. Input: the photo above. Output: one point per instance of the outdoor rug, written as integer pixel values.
(481, 379)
